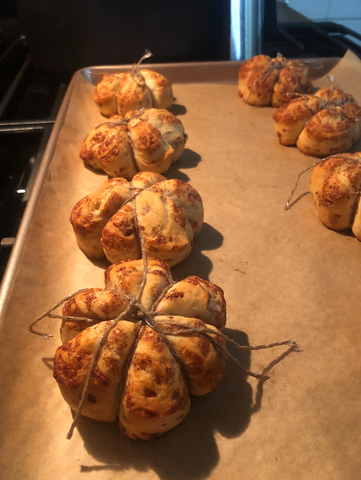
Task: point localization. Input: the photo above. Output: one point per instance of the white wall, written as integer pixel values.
(346, 12)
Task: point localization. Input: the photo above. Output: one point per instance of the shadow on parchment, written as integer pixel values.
(101, 173)
(259, 391)
(100, 263)
(48, 362)
(178, 109)
(196, 263)
(299, 198)
(188, 159)
(345, 233)
(189, 450)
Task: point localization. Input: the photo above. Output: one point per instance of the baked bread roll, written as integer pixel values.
(143, 374)
(320, 125)
(141, 141)
(120, 93)
(335, 186)
(263, 81)
(165, 214)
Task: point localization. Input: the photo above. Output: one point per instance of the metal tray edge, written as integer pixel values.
(17, 250)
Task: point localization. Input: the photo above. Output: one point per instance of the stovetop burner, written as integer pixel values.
(304, 39)
(29, 103)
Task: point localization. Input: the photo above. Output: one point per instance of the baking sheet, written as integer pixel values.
(283, 273)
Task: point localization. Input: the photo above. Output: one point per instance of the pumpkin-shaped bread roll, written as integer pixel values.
(335, 186)
(320, 125)
(117, 219)
(264, 81)
(120, 93)
(144, 371)
(147, 140)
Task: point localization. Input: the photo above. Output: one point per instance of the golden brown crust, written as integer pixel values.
(146, 179)
(259, 63)
(353, 113)
(94, 303)
(203, 362)
(119, 236)
(92, 142)
(115, 153)
(259, 89)
(72, 361)
(90, 215)
(156, 397)
(160, 89)
(170, 127)
(164, 226)
(291, 119)
(127, 277)
(322, 171)
(155, 77)
(151, 151)
(333, 96)
(290, 81)
(328, 132)
(197, 298)
(133, 94)
(104, 95)
(186, 197)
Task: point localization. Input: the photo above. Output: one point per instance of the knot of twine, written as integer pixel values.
(136, 313)
(328, 103)
(134, 71)
(123, 121)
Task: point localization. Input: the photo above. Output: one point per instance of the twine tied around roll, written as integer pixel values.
(135, 73)
(135, 312)
(329, 103)
(275, 65)
(123, 121)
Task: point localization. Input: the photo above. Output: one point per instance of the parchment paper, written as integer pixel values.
(284, 275)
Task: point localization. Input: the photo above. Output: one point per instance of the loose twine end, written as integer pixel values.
(288, 203)
(135, 70)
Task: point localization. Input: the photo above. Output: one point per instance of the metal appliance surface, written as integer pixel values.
(29, 102)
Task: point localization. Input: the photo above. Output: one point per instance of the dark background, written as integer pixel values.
(65, 35)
